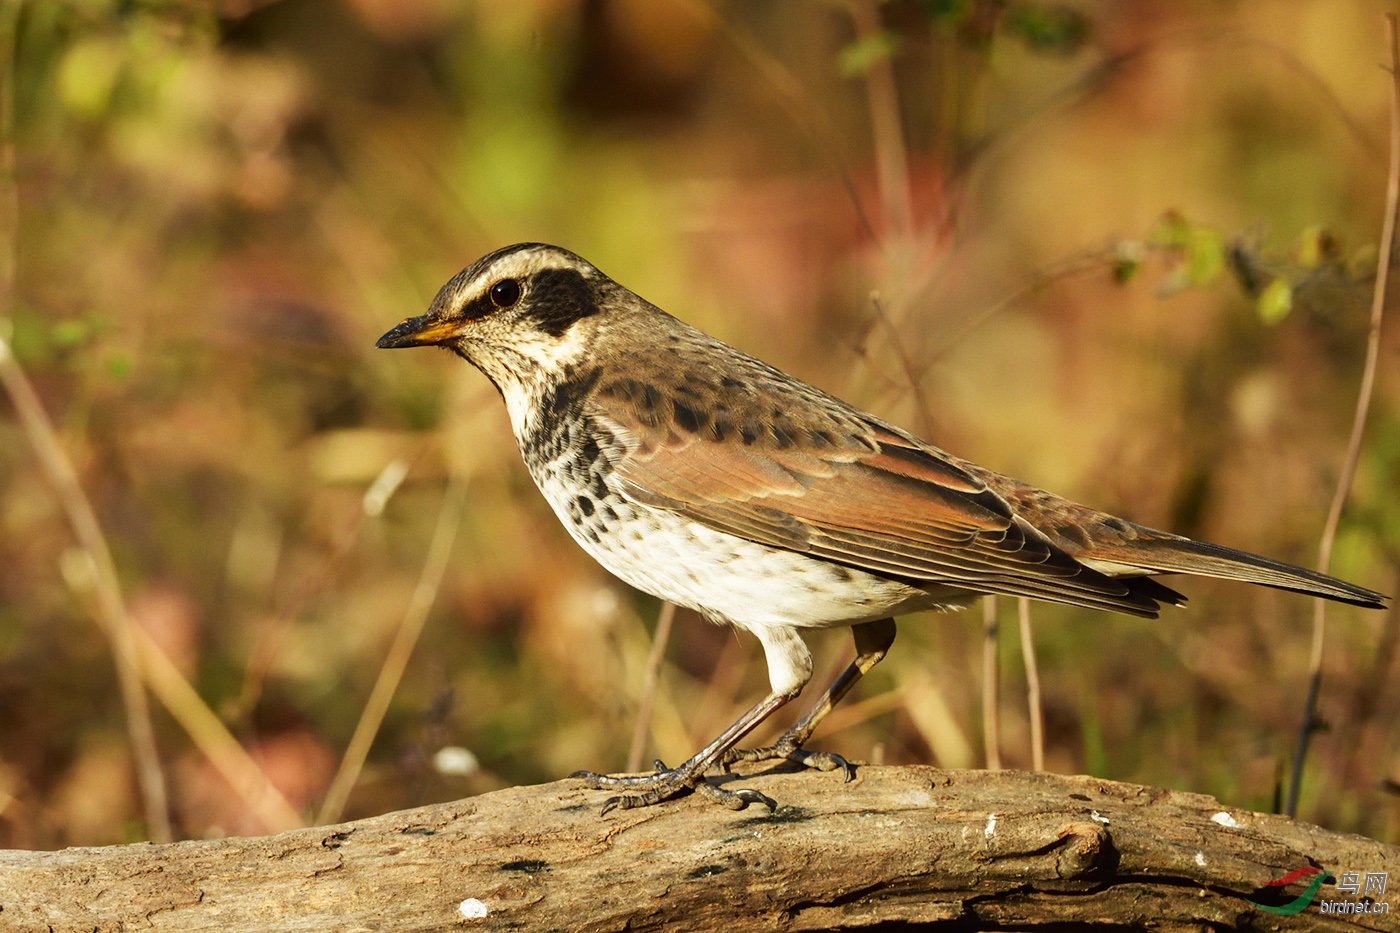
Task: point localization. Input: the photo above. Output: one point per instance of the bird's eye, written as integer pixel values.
(505, 293)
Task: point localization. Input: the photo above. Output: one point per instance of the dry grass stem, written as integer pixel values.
(1064, 268)
(932, 714)
(806, 115)
(847, 717)
(1358, 424)
(653, 676)
(905, 364)
(396, 661)
(719, 705)
(887, 129)
(112, 617)
(1037, 716)
(991, 684)
(209, 734)
(110, 613)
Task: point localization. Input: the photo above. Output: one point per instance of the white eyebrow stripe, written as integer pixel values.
(520, 264)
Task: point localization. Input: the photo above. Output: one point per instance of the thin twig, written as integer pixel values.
(809, 118)
(720, 703)
(209, 734)
(907, 365)
(991, 684)
(264, 654)
(112, 616)
(846, 717)
(9, 184)
(1358, 424)
(653, 677)
(1032, 686)
(887, 130)
(396, 661)
(1073, 264)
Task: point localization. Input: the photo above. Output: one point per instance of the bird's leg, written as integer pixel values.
(668, 782)
(873, 640)
(789, 669)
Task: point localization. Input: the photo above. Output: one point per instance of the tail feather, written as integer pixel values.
(1172, 554)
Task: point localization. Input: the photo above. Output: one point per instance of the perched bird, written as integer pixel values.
(703, 476)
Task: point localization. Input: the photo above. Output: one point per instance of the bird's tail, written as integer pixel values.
(1165, 553)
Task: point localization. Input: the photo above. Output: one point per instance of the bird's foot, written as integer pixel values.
(789, 750)
(665, 783)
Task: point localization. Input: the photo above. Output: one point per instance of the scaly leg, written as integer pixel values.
(789, 669)
(873, 640)
(668, 782)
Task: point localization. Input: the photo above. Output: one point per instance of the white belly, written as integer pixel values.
(748, 584)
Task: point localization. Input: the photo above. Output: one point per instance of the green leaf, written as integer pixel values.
(947, 13)
(88, 74)
(1201, 248)
(861, 55)
(1127, 260)
(1173, 231)
(119, 366)
(1275, 301)
(1362, 262)
(1205, 256)
(68, 334)
(1314, 246)
(1049, 29)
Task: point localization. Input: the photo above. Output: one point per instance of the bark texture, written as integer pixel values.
(909, 847)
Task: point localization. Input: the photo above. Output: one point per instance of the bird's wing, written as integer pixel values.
(812, 476)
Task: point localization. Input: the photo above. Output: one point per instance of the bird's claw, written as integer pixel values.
(786, 751)
(664, 784)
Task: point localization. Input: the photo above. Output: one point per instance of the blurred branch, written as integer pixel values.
(899, 848)
(111, 614)
(1074, 264)
(847, 716)
(1358, 424)
(137, 654)
(653, 677)
(808, 117)
(264, 653)
(720, 703)
(1366, 699)
(209, 734)
(920, 405)
(111, 617)
(1099, 74)
(887, 129)
(9, 185)
(991, 684)
(1037, 716)
(396, 661)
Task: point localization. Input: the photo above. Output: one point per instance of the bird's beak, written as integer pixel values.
(422, 331)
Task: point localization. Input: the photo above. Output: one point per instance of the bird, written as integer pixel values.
(705, 477)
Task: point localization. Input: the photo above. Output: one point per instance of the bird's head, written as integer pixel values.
(521, 312)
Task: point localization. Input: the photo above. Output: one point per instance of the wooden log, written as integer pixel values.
(912, 845)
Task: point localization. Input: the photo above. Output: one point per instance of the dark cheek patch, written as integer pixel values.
(557, 298)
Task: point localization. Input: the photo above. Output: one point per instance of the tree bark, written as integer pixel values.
(914, 847)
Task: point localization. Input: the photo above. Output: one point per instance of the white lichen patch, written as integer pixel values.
(1201, 859)
(472, 909)
(1098, 817)
(991, 825)
(1225, 819)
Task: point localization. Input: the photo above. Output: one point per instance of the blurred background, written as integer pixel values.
(1123, 250)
